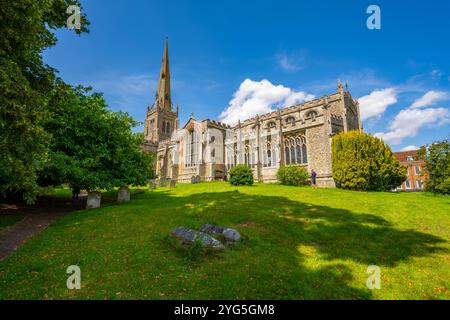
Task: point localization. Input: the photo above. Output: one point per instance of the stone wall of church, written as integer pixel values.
(319, 154)
(220, 147)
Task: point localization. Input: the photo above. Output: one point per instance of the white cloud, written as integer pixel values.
(409, 121)
(374, 104)
(430, 98)
(410, 148)
(259, 97)
(436, 74)
(291, 63)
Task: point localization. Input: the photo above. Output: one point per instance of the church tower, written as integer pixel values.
(161, 121)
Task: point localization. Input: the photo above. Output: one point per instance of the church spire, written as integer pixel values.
(163, 98)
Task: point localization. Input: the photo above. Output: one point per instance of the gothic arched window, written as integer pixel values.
(304, 154)
(191, 149)
(269, 154)
(312, 115)
(272, 125)
(247, 152)
(295, 150)
(164, 126)
(168, 127)
(287, 155)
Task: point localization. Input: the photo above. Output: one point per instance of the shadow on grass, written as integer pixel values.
(276, 229)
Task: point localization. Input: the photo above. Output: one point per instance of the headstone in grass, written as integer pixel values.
(94, 200)
(152, 184)
(230, 235)
(188, 237)
(124, 194)
(164, 182)
(173, 183)
(195, 179)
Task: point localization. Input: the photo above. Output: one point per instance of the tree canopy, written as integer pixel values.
(50, 132)
(92, 147)
(437, 162)
(26, 28)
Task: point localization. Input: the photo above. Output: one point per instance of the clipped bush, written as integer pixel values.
(241, 175)
(363, 162)
(292, 175)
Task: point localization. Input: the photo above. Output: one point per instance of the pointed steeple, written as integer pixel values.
(163, 98)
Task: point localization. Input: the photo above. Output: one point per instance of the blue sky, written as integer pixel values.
(233, 59)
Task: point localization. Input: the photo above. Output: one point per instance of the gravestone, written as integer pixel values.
(173, 183)
(195, 179)
(152, 184)
(188, 236)
(230, 235)
(94, 200)
(164, 182)
(124, 194)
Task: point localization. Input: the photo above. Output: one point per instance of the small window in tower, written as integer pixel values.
(164, 126)
(168, 127)
(213, 138)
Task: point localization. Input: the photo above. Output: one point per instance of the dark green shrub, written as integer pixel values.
(241, 175)
(363, 162)
(292, 175)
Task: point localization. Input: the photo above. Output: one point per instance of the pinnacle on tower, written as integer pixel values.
(340, 87)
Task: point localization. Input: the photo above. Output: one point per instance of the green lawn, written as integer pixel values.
(298, 243)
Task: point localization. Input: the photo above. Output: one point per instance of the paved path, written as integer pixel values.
(36, 220)
(15, 236)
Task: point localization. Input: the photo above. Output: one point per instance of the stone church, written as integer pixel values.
(300, 134)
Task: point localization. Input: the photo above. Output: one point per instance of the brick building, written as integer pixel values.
(415, 176)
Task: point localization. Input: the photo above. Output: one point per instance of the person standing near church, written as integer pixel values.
(313, 178)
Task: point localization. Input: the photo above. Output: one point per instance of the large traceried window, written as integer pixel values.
(269, 153)
(247, 153)
(295, 151)
(250, 153)
(232, 153)
(191, 149)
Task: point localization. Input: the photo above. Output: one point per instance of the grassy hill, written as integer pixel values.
(298, 243)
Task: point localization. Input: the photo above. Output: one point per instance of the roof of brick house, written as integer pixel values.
(402, 156)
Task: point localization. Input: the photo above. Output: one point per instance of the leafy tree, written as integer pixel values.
(292, 175)
(241, 175)
(25, 83)
(437, 162)
(92, 148)
(363, 162)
